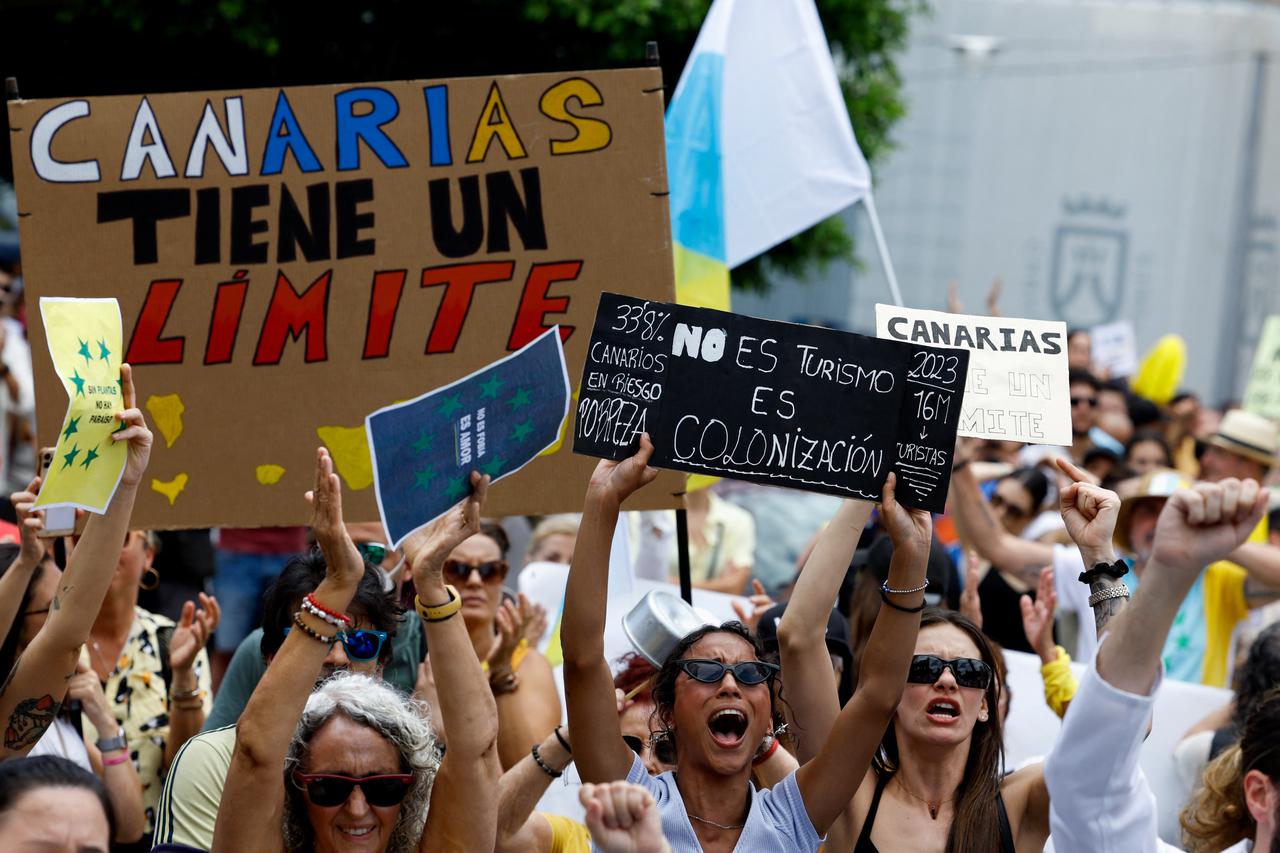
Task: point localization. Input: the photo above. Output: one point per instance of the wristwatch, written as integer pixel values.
(111, 743)
(1115, 571)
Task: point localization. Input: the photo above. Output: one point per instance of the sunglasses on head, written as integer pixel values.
(327, 790)
(663, 749)
(968, 672)
(744, 672)
(373, 552)
(493, 571)
(360, 645)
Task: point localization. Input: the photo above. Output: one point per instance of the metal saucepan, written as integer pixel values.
(657, 624)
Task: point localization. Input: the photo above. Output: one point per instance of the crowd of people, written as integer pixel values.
(315, 689)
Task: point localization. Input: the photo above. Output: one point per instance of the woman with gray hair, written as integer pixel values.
(361, 770)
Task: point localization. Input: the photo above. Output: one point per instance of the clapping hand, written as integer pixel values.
(192, 632)
(342, 560)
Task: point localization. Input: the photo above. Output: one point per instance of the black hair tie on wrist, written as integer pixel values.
(1115, 571)
(564, 743)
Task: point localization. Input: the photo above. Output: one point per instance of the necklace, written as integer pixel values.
(933, 806)
(717, 825)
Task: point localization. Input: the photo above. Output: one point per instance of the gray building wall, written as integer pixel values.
(1097, 162)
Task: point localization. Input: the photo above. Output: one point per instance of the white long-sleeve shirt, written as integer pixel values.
(1099, 799)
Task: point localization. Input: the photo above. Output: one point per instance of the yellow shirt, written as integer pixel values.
(567, 836)
(1225, 606)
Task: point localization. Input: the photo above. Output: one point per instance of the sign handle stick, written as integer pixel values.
(883, 249)
(682, 554)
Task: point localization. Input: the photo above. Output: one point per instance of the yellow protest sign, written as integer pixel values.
(84, 338)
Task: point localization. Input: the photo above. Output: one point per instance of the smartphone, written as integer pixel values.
(59, 520)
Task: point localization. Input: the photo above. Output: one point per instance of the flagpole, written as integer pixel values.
(883, 249)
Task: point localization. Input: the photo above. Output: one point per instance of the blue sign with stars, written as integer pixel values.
(494, 421)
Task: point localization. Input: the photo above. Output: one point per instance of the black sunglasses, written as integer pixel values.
(327, 790)
(927, 669)
(663, 749)
(1013, 509)
(712, 671)
(491, 572)
(1091, 402)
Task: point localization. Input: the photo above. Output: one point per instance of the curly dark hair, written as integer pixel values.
(302, 575)
(1260, 673)
(664, 685)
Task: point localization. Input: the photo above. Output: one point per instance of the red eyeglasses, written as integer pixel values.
(327, 790)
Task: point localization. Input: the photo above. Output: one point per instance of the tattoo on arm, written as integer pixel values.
(1105, 611)
(29, 721)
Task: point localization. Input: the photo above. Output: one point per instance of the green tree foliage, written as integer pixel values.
(97, 47)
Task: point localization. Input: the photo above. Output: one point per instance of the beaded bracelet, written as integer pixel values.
(546, 768)
(312, 632)
(312, 605)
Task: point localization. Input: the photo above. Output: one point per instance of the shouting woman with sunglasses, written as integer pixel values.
(519, 676)
(361, 770)
(716, 698)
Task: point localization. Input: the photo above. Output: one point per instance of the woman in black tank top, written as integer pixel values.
(947, 719)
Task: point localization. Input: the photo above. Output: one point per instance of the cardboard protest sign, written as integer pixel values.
(1262, 395)
(85, 344)
(288, 260)
(1115, 348)
(494, 421)
(770, 402)
(1017, 387)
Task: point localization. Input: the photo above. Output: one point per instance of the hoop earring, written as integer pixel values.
(150, 579)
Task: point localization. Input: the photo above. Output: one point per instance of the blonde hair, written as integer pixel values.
(1217, 817)
(564, 523)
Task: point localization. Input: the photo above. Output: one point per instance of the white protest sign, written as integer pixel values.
(1017, 388)
(1262, 395)
(1115, 348)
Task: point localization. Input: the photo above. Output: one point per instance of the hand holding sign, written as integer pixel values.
(429, 546)
(616, 481)
(132, 429)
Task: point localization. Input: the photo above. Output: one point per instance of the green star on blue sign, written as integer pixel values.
(520, 399)
(494, 466)
(450, 406)
(521, 430)
(423, 478)
(489, 389)
(424, 442)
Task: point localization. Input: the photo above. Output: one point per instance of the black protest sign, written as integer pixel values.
(770, 402)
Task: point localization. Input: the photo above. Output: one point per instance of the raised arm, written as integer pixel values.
(458, 819)
(14, 582)
(33, 690)
(828, 782)
(519, 828)
(1100, 799)
(979, 528)
(812, 691)
(1090, 512)
(1261, 561)
(602, 755)
(253, 797)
